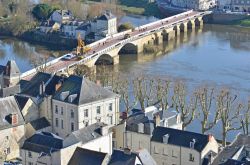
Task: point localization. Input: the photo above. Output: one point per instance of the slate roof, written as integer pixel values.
(84, 27)
(64, 12)
(86, 91)
(241, 142)
(21, 100)
(40, 123)
(119, 157)
(32, 87)
(106, 16)
(83, 156)
(43, 142)
(235, 162)
(180, 138)
(145, 157)
(48, 23)
(84, 135)
(9, 106)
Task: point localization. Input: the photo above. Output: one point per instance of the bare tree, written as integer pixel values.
(39, 62)
(143, 91)
(229, 112)
(246, 120)
(187, 110)
(162, 92)
(205, 99)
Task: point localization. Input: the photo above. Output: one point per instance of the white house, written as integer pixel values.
(79, 103)
(105, 25)
(69, 28)
(49, 26)
(61, 16)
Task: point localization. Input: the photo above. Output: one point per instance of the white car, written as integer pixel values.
(69, 56)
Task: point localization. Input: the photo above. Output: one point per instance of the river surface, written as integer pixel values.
(214, 55)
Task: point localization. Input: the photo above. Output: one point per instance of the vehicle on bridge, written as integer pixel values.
(69, 56)
(126, 36)
(81, 47)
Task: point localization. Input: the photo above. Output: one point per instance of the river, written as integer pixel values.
(215, 55)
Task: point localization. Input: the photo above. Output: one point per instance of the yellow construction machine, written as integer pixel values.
(81, 48)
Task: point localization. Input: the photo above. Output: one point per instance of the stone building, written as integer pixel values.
(12, 129)
(9, 79)
(79, 102)
(61, 16)
(194, 4)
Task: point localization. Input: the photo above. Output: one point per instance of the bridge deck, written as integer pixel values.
(111, 41)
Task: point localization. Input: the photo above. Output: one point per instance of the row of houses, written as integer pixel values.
(51, 119)
(235, 5)
(64, 22)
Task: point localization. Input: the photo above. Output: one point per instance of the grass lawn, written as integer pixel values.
(245, 23)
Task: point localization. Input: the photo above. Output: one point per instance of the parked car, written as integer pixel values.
(69, 56)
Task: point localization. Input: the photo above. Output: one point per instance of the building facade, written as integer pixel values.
(194, 4)
(79, 103)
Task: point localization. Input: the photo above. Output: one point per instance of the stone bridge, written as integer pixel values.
(109, 48)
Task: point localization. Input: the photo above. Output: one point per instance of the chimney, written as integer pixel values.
(210, 137)
(165, 138)
(127, 151)
(42, 88)
(58, 85)
(192, 143)
(104, 130)
(14, 119)
(157, 119)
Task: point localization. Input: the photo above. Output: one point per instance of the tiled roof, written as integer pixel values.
(9, 106)
(83, 156)
(43, 142)
(84, 90)
(180, 138)
(40, 123)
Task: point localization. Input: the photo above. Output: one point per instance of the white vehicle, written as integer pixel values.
(69, 56)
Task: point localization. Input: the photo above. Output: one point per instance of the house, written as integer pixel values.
(241, 5)
(27, 107)
(69, 28)
(83, 156)
(194, 4)
(79, 102)
(40, 148)
(49, 26)
(38, 125)
(9, 79)
(48, 148)
(139, 127)
(181, 147)
(40, 89)
(165, 118)
(105, 25)
(12, 129)
(61, 16)
(83, 30)
(238, 152)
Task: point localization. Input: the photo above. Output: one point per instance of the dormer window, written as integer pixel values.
(192, 143)
(72, 98)
(63, 95)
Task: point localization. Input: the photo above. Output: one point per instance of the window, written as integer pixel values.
(86, 113)
(110, 106)
(156, 150)
(7, 151)
(110, 120)
(72, 114)
(62, 124)
(98, 110)
(174, 154)
(56, 122)
(61, 110)
(191, 157)
(72, 127)
(86, 124)
(29, 154)
(56, 109)
(98, 120)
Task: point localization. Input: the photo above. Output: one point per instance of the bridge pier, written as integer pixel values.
(184, 27)
(177, 30)
(159, 38)
(191, 24)
(116, 59)
(199, 21)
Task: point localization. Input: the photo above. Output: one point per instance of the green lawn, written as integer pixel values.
(245, 23)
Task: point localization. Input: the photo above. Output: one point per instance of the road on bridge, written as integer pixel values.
(114, 40)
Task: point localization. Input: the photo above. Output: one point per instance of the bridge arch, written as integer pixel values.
(129, 48)
(198, 21)
(104, 59)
